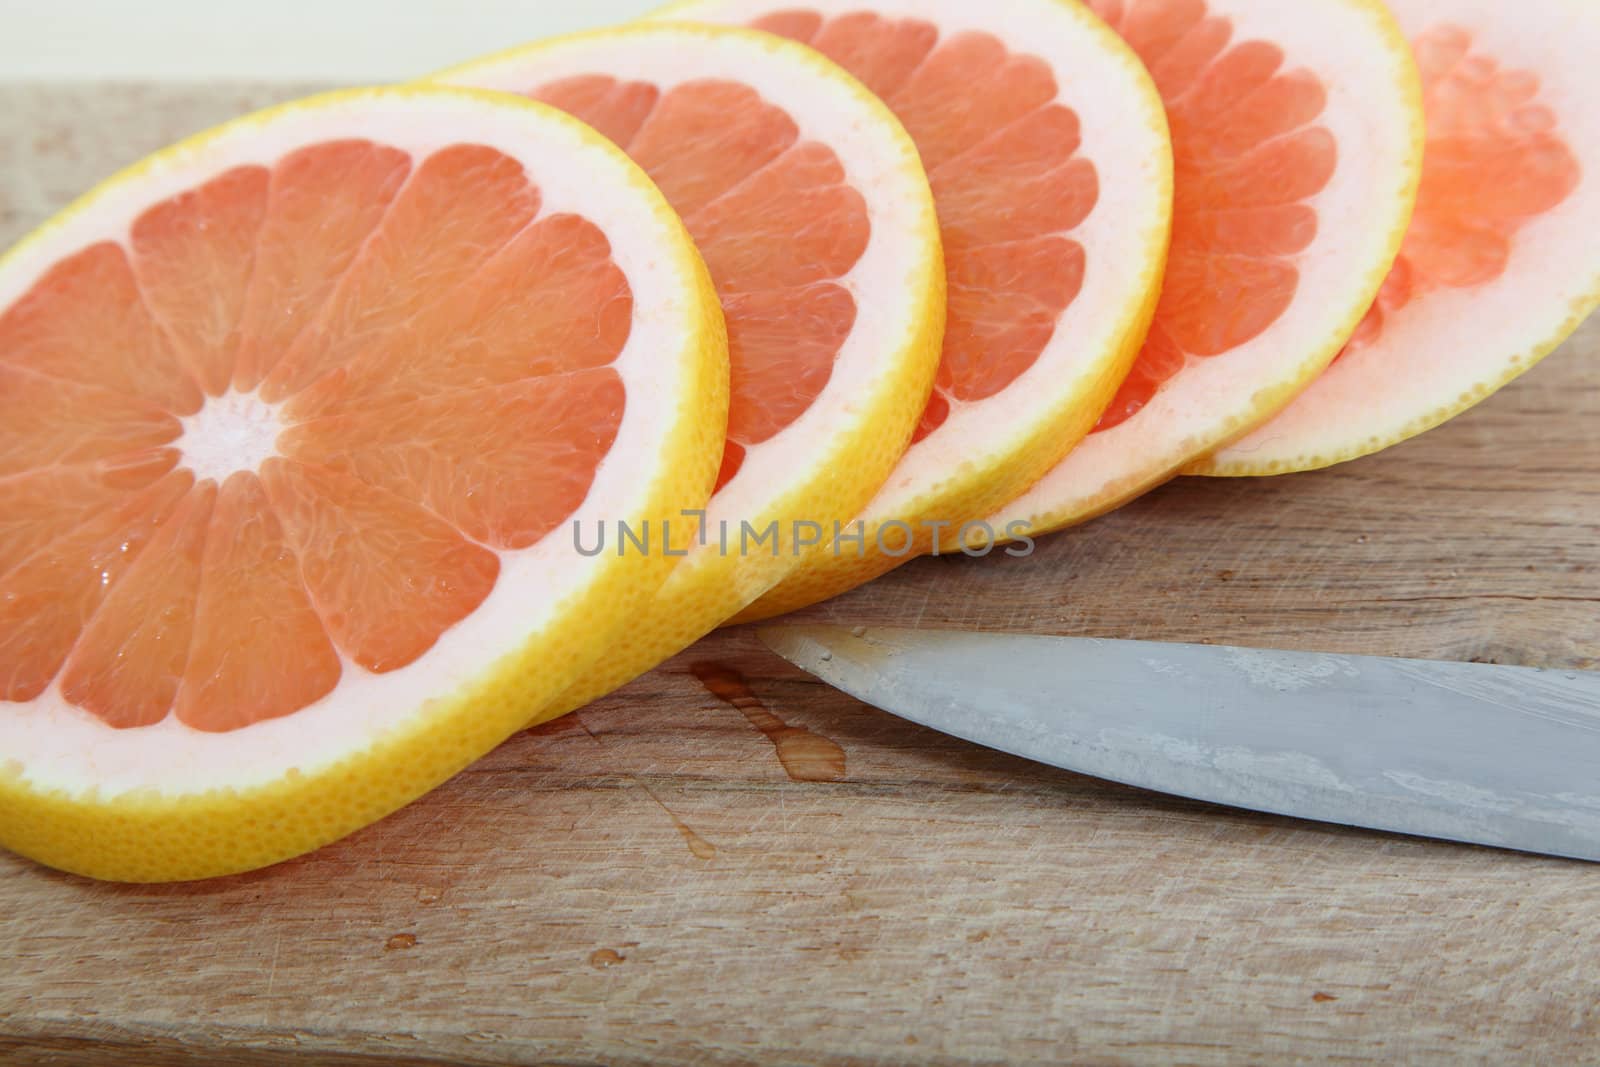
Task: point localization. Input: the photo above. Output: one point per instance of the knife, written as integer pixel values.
(1479, 753)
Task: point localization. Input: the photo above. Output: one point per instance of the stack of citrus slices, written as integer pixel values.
(340, 442)
(1500, 264)
(813, 212)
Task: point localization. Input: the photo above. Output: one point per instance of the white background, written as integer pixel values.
(351, 41)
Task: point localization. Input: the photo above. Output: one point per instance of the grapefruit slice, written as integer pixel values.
(1047, 149)
(1501, 263)
(297, 417)
(810, 205)
(1297, 134)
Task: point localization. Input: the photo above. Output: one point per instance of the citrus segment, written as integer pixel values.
(782, 344)
(615, 107)
(1489, 278)
(1027, 179)
(1249, 155)
(127, 665)
(775, 218)
(1495, 161)
(38, 507)
(324, 202)
(193, 255)
(738, 231)
(50, 421)
(464, 203)
(884, 53)
(1296, 146)
(238, 622)
(1005, 301)
(85, 321)
(46, 599)
(489, 332)
(1002, 160)
(807, 200)
(966, 90)
(251, 591)
(703, 139)
(1047, 151)
(387, 576)
(506, 465)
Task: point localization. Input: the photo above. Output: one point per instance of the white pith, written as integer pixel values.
(1216, 399)
(1123, 134)
(1450, 347)
(889, 282)
(232, 432)
(54, 745)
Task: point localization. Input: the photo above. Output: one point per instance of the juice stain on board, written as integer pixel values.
(699, 846)
(702, 849)
(806, 756)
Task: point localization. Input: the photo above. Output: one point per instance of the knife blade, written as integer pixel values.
(1479, 753)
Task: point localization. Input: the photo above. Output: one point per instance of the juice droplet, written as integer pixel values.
(806, 756)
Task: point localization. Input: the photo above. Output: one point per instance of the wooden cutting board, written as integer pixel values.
(645, 882)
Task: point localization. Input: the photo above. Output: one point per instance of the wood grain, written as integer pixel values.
(937, 903)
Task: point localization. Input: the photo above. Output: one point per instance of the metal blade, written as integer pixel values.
(1502, 756)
